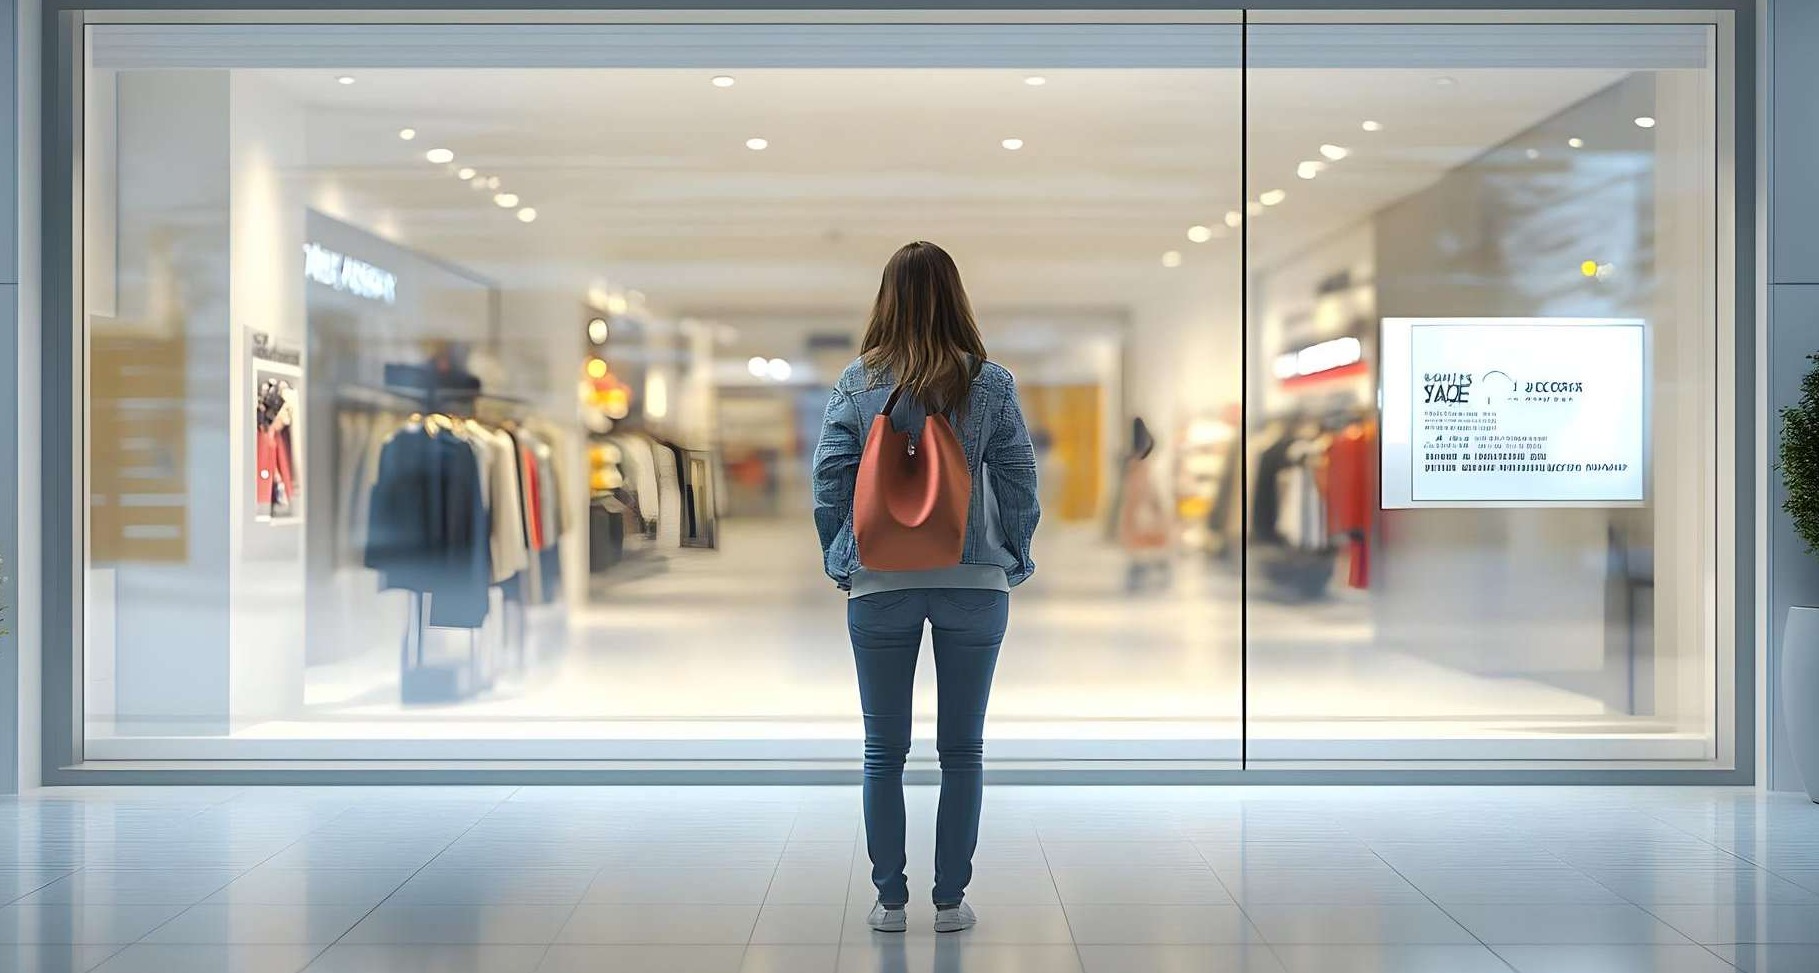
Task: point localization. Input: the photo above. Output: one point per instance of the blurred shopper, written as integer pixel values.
(1143, 520)
(923, 402)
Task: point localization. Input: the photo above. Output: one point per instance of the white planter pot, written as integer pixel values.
(1800, 693)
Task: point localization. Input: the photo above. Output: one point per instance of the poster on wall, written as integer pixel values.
(277, 431)
(1514, 412)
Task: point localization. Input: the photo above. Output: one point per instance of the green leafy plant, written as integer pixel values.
(1799, 458)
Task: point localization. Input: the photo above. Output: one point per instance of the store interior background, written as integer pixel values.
(721, 286)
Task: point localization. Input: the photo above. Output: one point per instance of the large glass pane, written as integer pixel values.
(1483, 407)
(626, 265)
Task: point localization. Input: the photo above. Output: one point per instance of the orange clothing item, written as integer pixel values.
(533, 498)
(1352, 494)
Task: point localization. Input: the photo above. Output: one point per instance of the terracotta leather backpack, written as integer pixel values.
(910, 502)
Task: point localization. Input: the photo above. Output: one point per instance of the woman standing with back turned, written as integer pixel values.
(922, 364)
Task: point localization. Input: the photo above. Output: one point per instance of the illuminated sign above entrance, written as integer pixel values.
(349, 275)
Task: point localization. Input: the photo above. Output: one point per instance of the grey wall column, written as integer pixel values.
(1793, 319)
(10, 332)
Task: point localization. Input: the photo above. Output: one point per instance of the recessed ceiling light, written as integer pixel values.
(439, 156)
(1310, 168)
(757, 145)
(345, 79)
(1646, 121)
(1171, 258)
(1199, 234)
(1012, 144)
(527, 214)
(1234, 219)
(1577, 143)
(1446, 81)
(478, 182)
(724, 81)
(1334, 152)
(777, 370)
(1272, 197)
(464, 173)
(1035, 81)
(1533, 153)
(506, 200)
(597, 331)
(1372, 126)
(596, 368)
(492, 182)
(757, 365)
(407, 134)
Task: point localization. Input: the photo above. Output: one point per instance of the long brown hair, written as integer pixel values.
(922, 330)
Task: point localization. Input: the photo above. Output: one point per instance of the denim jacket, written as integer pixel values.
(998, 455)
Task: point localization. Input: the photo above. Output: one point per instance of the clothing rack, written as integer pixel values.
(424, 390)
(444, 401)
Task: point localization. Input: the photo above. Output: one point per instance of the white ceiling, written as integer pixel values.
(641, 176)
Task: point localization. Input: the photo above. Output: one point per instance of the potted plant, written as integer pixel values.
(1798, 461)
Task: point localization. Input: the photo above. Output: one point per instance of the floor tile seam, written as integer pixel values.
(1268, 946)
(1445, 912)
(118, 948)
(1048, 868)
(1705, 946)
(846, 910)
(15, 900)
(1651, 815)
(752, 933)
(368, 914)
(238, 875)
(1647, 906)
(1497, 950)
(542, 957)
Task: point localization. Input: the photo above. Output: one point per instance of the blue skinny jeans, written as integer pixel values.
(886, 630)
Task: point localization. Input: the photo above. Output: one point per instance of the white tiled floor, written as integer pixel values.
(773, 880)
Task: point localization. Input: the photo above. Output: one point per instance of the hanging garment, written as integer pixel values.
(533, 491)
(1353, 494)
(1222, 521)
(1304, 507)
(429, 530)
(669, 492)
(510, 550)
(1266, 503)
(550, 494)
(640, 472)
(378, 432)
(528, 586)
(561, 468)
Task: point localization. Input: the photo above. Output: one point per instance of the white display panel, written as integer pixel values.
(1514, 412)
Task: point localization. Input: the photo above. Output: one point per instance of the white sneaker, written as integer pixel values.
(887, 920)
(955, 919)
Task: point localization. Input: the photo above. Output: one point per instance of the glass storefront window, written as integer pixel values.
(452, 397)
(1483, 409)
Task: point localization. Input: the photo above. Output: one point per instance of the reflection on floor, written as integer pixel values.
(766, 880)
(749, 643)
